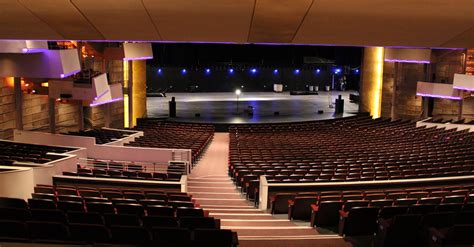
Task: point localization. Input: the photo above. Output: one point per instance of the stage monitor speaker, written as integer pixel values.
(339, 105)
(172, 107)
(277, 113)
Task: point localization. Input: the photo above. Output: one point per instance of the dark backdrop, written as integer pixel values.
(220, 58)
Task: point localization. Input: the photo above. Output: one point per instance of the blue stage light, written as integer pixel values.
(337, 71)
(318, 71)
(231, 71)
(184, 71)
(160, 71)
(253, 70)
(297, 71)
(357, 71)
(275, 71)
(208, 71)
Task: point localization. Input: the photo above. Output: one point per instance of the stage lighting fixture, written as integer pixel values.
(318, 71)
(231, 71)
(208, 71)
(160, 71)
(184, 71)
(337, 71)
(357, 71)
(253, 70)
(238, 92)
(275, 71)
(297, 71)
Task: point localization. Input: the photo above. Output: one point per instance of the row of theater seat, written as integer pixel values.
(31, 153)
(174, 135)
(57, 233)
(102, 136)
(128, 174)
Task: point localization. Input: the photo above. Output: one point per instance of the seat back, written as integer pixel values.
(208, 237)
(361, 221)
(280, 203)
(130, 235)
(328, 213)
(404, 231)
(89, 233)
(302, 207)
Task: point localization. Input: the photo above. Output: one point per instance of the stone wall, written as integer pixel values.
(7, 108)
(407, 105)
(387, 89)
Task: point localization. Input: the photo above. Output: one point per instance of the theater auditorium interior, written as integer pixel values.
(243, 123)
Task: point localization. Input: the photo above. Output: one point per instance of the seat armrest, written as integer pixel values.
(343, 214)
(314, 207)
(436, 237)
(290, 209)
(314, 214)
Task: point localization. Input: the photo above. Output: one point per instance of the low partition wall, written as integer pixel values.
(267, 189)
(105, 152)
(470, 127)
(133, 135)
(16, 182)
(121, 183)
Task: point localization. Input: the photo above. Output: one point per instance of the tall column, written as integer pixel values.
(18, 103)
(138, 90)
(371, 81)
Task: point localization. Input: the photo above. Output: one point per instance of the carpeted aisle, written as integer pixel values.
(214, 190)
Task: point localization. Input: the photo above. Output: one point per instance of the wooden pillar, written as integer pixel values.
(372, 77)
(52, 115)
(130, 94)
(138, 90)
(18, 103)
(393, 100)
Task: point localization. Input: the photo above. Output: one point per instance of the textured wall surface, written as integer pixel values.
(7, 108)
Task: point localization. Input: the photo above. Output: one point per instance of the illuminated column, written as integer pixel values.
(138, 90)
(371, 81)
(126, 91)
(16, 81)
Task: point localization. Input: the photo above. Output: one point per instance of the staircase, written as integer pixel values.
(216, 193)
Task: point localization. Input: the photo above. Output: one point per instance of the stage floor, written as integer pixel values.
(221, 108)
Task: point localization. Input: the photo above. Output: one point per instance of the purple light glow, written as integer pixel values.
(70, 73)
(464, 88)
(137, 58)
(106, 102)
(438, 96)
(101, 95)
(406, 61)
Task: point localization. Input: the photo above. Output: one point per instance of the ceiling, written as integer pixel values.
(414, 23)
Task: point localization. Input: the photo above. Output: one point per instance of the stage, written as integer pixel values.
(221, 108)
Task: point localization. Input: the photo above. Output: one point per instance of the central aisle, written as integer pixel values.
(214, 190)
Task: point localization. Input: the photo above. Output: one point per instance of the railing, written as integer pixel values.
(169, 167)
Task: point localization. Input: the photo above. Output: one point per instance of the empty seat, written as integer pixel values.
(209, 237)
(90, 218)
(403, 231)
(149, 202)
(18, 214)
(11, 230)
(34, 203)
(47, 230)
(6, 202)
(121, 220)
(89, 193)
(197, 222)
(176, 204)
(326, 214)
(51, 215)
(449, 207)
(71, 206)
(422, 209)
(157, 210)
(458, 235)
(130, 208)
(171, 236)
(89, 233)
(300, 208)
(196, 212)
(359, 221)
(279, 202)
(100, 207)
(159, 221)
(133, 235)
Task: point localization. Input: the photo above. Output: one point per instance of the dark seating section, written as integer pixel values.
(350, 149)
(124, 221)
(11, 152)
(102, 136)
(128, 170)
(159, 134)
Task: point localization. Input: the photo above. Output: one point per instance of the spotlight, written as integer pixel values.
(160, 71)
(238, 92)
(275, 71)
(297, 71)
(318, 71)
(253, 70)
(337, 71)
(357, 71)
(184, 71)
(231, 71)
(208, 71)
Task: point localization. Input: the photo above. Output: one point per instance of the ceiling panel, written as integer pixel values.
(64, 18)
(16, 22)
(276, 21)
(198, 20)
(464, 39)
(385, 22)
(119, 19)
